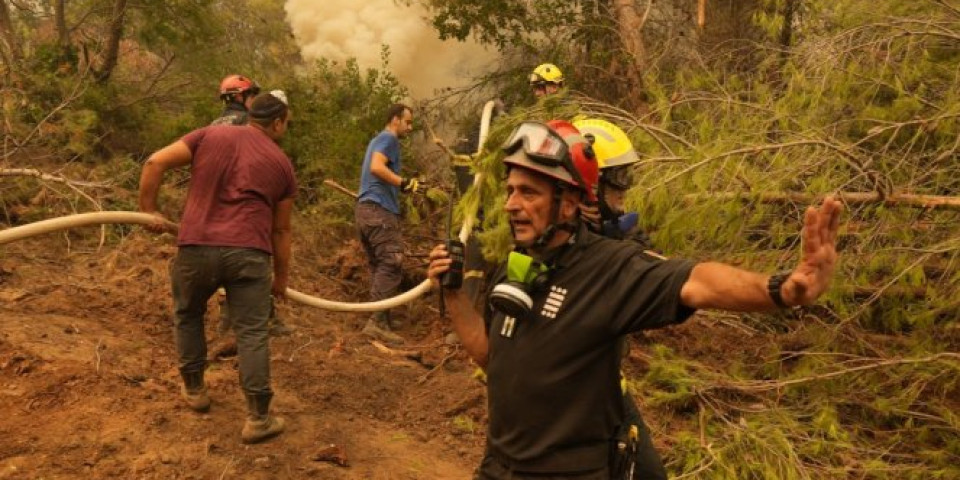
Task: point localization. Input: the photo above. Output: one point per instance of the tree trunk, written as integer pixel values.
(786, 33)
(112, 53)
(11, 45)
(630, 24)
(59, 13)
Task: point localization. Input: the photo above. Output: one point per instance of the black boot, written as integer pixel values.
(260, 425)
(378, 328)
(194, 391)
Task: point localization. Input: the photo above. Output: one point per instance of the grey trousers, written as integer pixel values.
(245, 274)
(379, 231)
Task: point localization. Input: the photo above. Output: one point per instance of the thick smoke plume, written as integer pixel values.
(341, 29)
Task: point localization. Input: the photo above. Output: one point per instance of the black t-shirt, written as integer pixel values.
(233, 114)
(554, 394)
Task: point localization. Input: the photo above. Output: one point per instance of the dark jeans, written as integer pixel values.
(379, 232)
(493, 469)
(245, 274)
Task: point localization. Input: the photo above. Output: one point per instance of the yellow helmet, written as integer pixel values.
(546, 73)
(610, 144)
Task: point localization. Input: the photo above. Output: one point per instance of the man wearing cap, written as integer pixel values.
(549, 339)
(237, 215)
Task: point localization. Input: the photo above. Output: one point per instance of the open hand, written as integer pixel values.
(819, 257)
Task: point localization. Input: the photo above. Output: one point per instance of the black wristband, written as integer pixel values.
(774, 285)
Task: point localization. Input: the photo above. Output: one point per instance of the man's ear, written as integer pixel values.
(569, 204)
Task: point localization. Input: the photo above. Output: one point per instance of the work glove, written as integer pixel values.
(412, 185)
(590, 213)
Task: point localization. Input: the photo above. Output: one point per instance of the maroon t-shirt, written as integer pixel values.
(238, 175)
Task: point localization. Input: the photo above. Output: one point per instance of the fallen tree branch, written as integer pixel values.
(31, 172)
(455, 158)
(852, 198)
(408, 354)
(425, 376)
(851, 159)
(340, 188)
(767, 385)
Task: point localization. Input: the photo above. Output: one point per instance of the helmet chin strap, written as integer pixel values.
(554, 226)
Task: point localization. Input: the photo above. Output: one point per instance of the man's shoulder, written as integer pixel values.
(384, 139)
(599, 250)
(596, 245)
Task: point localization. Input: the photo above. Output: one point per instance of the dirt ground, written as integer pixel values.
(89, 380)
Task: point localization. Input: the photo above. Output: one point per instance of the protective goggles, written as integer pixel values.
(539, 143)
(617, 177)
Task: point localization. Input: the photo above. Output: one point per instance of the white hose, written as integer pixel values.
(98, 218)
(485, 120)
(73, 221)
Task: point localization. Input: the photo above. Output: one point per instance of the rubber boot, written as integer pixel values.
(260, 425)
(378, 328)
(194, 391)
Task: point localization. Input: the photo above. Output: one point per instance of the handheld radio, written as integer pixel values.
(453, 278)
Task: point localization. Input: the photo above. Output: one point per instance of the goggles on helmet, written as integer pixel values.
(539, 143)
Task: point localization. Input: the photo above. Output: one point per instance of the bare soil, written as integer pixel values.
(89, 383)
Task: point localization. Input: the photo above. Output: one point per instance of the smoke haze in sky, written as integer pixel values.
(341, 29)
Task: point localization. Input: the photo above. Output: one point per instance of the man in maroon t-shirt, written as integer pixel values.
(237, 215)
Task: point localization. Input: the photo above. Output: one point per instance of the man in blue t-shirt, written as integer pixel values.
(378, 215)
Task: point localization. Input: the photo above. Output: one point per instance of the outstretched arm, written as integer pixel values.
(718, 286)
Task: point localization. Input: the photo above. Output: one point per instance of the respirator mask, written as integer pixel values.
(525, 276)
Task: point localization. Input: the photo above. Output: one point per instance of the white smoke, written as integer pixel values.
(342, 29)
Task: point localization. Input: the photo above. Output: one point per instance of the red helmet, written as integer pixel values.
(555, 149)
(238, 84)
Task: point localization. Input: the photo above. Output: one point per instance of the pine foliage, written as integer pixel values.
(865, 102)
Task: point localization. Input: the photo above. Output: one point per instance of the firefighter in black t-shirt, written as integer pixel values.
(549, 339)
(236, 92)
(615, 157)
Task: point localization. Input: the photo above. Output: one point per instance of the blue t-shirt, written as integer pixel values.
(371, 187)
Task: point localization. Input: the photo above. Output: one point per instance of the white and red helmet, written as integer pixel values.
(557, 150)
(238, 84)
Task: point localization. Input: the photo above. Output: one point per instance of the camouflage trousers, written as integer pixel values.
(380, 236)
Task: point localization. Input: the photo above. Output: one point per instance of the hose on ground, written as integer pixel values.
(22, 232)
(121, 217)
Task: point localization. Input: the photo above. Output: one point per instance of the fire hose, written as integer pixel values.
(122, 217)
